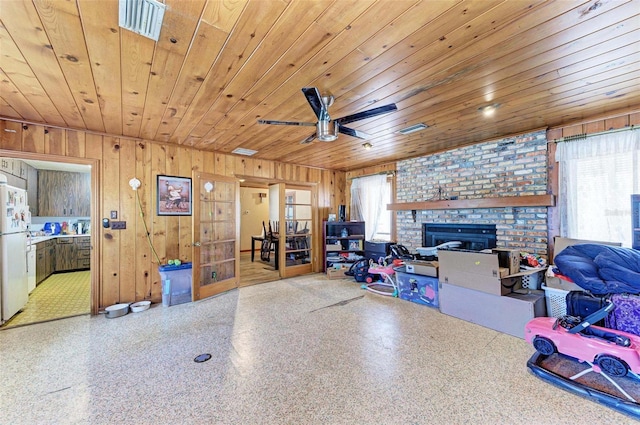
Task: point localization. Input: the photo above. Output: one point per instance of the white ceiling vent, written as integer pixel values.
(243, 151)
(143, 17)
(413, 128)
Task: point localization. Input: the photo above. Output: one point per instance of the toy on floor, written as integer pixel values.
(610, 352)
(386, 274)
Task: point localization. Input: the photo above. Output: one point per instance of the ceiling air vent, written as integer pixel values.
(243, 151)
(143, 17)
(413, 128)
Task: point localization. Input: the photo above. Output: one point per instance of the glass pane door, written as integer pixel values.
(216, 235)
(298, 225)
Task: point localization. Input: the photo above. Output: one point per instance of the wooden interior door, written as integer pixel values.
(216, 234)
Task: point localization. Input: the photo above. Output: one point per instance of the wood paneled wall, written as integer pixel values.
(127, 269)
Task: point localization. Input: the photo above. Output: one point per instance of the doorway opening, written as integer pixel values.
(61, 260)
(276, 230)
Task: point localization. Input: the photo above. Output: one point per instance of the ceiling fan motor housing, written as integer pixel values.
(327, 131)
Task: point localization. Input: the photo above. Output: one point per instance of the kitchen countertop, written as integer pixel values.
(36, 239)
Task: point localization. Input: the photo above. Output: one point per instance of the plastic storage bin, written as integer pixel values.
(417, 288)
(532, 281)
(556, 300)
(176, 284)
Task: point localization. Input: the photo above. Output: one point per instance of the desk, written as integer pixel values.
(262, 240)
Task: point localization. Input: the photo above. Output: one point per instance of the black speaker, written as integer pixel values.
(342, 213)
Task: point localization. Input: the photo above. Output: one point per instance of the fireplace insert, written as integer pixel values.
(474, 237)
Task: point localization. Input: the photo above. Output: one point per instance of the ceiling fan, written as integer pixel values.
(326, 128)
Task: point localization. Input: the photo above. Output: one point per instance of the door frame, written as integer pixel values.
(316, 226)
(95, 270)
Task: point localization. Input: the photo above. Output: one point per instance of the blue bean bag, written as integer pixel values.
(601, 269)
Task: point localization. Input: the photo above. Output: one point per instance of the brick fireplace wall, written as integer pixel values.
(514, 166)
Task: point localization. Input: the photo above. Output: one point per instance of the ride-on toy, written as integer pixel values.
(611, 351)
(569, 348)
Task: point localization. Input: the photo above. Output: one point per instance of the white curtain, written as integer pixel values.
(597, 177)
(369, 198)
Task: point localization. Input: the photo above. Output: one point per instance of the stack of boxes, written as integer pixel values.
(486, 288)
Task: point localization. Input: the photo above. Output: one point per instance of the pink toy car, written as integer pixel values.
(614, 352)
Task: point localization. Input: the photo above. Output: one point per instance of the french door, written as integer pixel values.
(216, 232)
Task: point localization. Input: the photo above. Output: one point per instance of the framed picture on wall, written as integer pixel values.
(174, 196)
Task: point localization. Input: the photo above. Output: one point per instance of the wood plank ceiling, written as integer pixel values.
(218, 66)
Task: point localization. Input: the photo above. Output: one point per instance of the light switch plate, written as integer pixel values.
(118, 225)
(114, 215)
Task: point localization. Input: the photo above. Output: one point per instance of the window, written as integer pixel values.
(597, 178)
(369, 198)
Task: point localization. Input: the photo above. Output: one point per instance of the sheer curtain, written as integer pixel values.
(369, 198)
(597, 177)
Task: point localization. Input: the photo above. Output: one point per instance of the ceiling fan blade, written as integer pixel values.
(315, 100)
(367, 114)
(275, 122)
(309, 139)
(355, 133)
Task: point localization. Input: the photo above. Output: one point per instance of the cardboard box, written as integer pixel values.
(508, 258)
(508, 314)
(425, 268)
(337, 273)
(479, 271)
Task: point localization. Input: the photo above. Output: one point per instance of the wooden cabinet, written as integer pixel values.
(65, 254)
(40, 262)
(83, 252)
(45, 259)
(61, 194)
(343, 241)
(50, 257)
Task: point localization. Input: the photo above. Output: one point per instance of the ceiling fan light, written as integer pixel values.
(413, 128)
(327, 131)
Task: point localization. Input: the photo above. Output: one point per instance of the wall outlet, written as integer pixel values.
(114, 215)
(118, 225)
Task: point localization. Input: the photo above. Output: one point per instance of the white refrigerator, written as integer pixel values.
(14, 220)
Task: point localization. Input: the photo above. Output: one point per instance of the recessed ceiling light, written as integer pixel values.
(489, 110)
(413, 128)
(243, 151)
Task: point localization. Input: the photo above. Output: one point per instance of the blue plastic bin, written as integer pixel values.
(176, 284)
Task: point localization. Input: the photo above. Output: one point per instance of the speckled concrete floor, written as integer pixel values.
(299, 351)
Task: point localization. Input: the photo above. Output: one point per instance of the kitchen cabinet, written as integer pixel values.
(72, 253)
(50, 257)
(40, 262)
(32, 189)
(45, 259)
(83, 252)
(62, 193)
(6, 165)
(65, 254)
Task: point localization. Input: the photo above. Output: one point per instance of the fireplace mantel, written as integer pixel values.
(497, 202)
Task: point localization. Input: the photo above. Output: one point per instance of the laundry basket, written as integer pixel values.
(556, 300)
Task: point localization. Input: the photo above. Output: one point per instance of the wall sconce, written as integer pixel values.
(262, 195)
